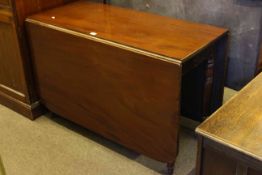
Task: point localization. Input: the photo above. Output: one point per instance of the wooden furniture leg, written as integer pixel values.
(170, 168)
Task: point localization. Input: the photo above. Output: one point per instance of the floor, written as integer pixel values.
(51, 145)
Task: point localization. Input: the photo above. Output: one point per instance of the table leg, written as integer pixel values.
(170, 168)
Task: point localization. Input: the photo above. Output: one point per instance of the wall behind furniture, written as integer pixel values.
(242, 17)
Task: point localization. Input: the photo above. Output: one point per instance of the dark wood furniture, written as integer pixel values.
(230, 141)
(16, 83)
(259, 62)
(119, 72)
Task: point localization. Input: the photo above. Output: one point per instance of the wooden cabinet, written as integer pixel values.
(4, 2)
(13, 86)
(217, 159)
(17, 89)
(11, 70)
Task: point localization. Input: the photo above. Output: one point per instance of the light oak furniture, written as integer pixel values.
(17, 89)
(119, 72)
(230, 141)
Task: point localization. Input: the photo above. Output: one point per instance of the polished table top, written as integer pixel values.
(238, 124)
(164, 36)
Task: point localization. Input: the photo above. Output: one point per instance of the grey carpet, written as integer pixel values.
(54, 146)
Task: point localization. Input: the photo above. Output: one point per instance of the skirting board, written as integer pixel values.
(30, 111)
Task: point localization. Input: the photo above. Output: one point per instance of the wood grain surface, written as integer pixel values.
(17, 90)
(6, 15)
(165, 36)
(127, 97)
(11, 70)
(238, 124)
(4, 2)
(118, 72)
(25, 8)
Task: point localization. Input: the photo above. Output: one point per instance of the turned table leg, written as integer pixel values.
(170, 168)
